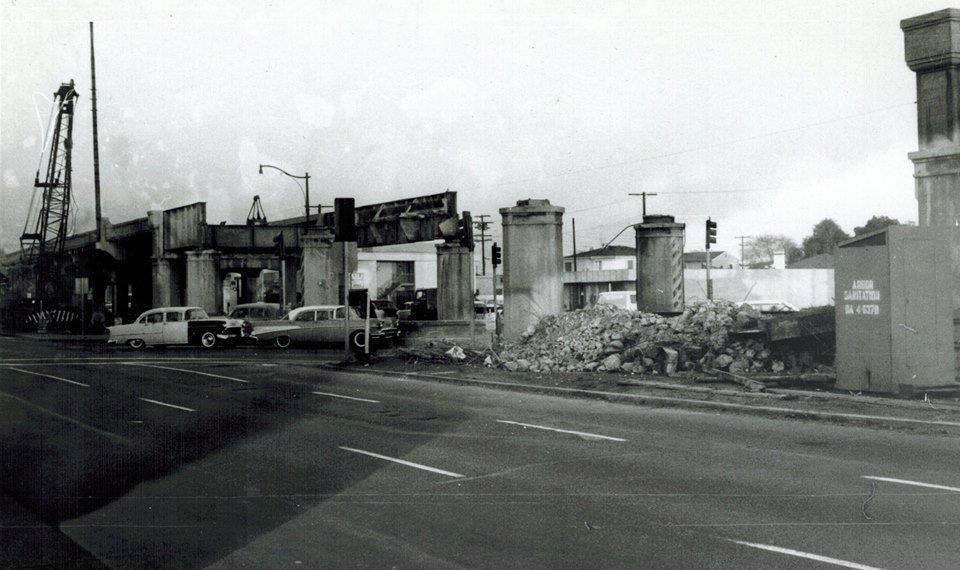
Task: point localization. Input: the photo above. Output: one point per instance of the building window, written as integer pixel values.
(568, 266)
(629, 264)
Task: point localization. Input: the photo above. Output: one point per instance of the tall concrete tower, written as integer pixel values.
(932, 45)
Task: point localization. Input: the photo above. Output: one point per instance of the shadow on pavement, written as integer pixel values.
(62, 472)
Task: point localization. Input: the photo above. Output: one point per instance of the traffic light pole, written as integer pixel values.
(711, 228)
(283, 284)
(709, 281)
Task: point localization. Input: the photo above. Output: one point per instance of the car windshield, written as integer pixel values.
(195, 314)
(239, 313)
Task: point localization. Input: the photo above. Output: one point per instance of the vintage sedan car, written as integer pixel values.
(323, 324)
(179, 325)
(256, 312)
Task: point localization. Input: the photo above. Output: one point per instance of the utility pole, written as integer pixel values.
(483, 225)
(96, 146)
(742, 239)
(643, 196)
(574, 244)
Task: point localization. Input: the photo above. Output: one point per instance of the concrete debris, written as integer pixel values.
(607, 338)
(456, 353)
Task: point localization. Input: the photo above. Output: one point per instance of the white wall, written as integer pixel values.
(800, 287)
(425, 273)
(599, 263)
(424, 263)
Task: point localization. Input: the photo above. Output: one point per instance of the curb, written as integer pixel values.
(865, 420)
(59, 338)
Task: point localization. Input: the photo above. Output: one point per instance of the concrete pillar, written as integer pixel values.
(321, 268)
(932, 46)
(454, 282)
(532, 264)
(166, 282)
(204, 287)
(659, 242)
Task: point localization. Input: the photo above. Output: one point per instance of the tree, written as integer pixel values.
(762, 247)
(875, 223)
(824, 238)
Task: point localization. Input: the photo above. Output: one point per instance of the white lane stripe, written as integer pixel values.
(914, 483)
(50, 376)
(580, 433)
(807, 555)
(402, 462)
(159, 403)
(346, 397)
(186, 370)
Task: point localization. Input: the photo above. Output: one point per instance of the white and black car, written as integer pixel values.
(179, 325)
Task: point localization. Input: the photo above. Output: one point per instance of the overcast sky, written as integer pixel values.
(767, 116)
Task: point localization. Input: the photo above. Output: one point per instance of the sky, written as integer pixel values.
(767, 116)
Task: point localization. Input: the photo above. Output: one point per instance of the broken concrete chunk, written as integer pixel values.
(611, 362)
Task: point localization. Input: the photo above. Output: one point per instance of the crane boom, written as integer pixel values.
(42, 249)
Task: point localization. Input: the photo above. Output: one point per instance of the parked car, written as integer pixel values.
(256, 311)
(323, 324)
(422, 308)
(179, 325)
(385, 310)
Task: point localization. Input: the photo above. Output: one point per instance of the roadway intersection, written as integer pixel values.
(260, 458)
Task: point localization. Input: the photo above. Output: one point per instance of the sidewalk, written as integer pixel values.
(934, 415)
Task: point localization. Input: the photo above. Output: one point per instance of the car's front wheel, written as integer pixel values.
(208, 340)
(136, 343)
(282, 341)
(357, 341)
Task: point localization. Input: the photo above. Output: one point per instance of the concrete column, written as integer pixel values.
(321, 268)
(204, 287)
(166, 281)
(454, 282)
(659, 242)
(932, 45)
(532, 264)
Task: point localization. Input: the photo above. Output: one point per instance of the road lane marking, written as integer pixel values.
(645, 399)
(69, 420)
(186, 370)
(49, 376)
(346, 397)
(159, 403)
(580, 433)
(914, 483)
(807, 555)
(402, 462)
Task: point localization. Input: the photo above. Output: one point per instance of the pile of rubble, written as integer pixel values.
(604, 337)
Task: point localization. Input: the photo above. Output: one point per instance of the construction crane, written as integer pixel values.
(256, 216)
(42, 248)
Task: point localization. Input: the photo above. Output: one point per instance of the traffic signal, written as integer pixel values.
(495, 256)
(465, 231)
(711, 232)
(278, 245)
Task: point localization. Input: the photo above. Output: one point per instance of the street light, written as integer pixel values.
(306, 193)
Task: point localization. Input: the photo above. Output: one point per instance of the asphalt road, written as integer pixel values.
(249, 458)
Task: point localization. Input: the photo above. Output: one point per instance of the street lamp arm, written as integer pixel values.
(262, 166)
